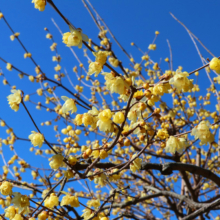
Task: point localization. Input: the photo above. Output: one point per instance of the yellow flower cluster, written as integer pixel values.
(21, 202)
(39, 4)
(202, 132)
(74, 38)
(215, 65)
(87, 119)
(105, 122)
(51, 201)
(181, 82)
(57, 161)
(70, 200)
(136, 164)
(115, 84)
(6, 188)
(69, 105)
(96, 67)
(175, 144)
(14, 99)
(37, 139)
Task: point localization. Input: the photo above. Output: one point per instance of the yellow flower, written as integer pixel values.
(18, 217)
(114, 62)
(162, 134)
(14, 99)
(57, 68)
(6, 188)
(57, 161)
(87, 119)
(42, 216)
(78, 119)
(160, 89)
(69, 105)
(215, 65)
(51, 201)
(136, 164)
(39, 4)
(115, 84)
(101, 57)
(174, 144)
(74, 38)
(1, 15)
(94, 67)
(202, 132)
(10, 212)
(37, 139)
(100, 180)
(87, 213)
(119, 117)
(104, 122)
(152, 47)
(70, 200)
(103, 154)
(21, 202)
(181, 82)
(9, 66)
(93, 203)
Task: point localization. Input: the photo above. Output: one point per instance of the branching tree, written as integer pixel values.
(130, 143)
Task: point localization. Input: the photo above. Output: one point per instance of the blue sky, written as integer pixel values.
(130, 21)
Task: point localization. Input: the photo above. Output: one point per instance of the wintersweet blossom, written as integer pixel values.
(51, 201)
(95, 67)
(115, 84)
(215, 65)
(202, 132)
(105, 122)
(94, 203)
(119, 117)
(14, 99)
(37, 139)
(100, 179)
(6, 188)
(101, 57)
(9, 66)
(10, 212)
(21, 202)
(70, 200)
(113, 61)
(175, 144)
(42, 216)
(57, 161)
(181, 82)
(69, 105)
(18, 217)
(74, 37)
(136, 164)
(39, 4)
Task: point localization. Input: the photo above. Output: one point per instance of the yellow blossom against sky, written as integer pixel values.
(106, 118)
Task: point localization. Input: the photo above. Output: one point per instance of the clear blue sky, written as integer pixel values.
(130, 21)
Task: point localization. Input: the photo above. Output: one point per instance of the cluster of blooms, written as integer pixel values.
(202, 132)
(14, 99)
(39, 4)
(131, 127)
(74, 38)
(96, 67)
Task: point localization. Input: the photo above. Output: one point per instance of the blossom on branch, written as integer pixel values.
(39, 4)
(37, 139)
(69, 105)
(175, 144)
(74, 37)
(14, 99)
(202, 132)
